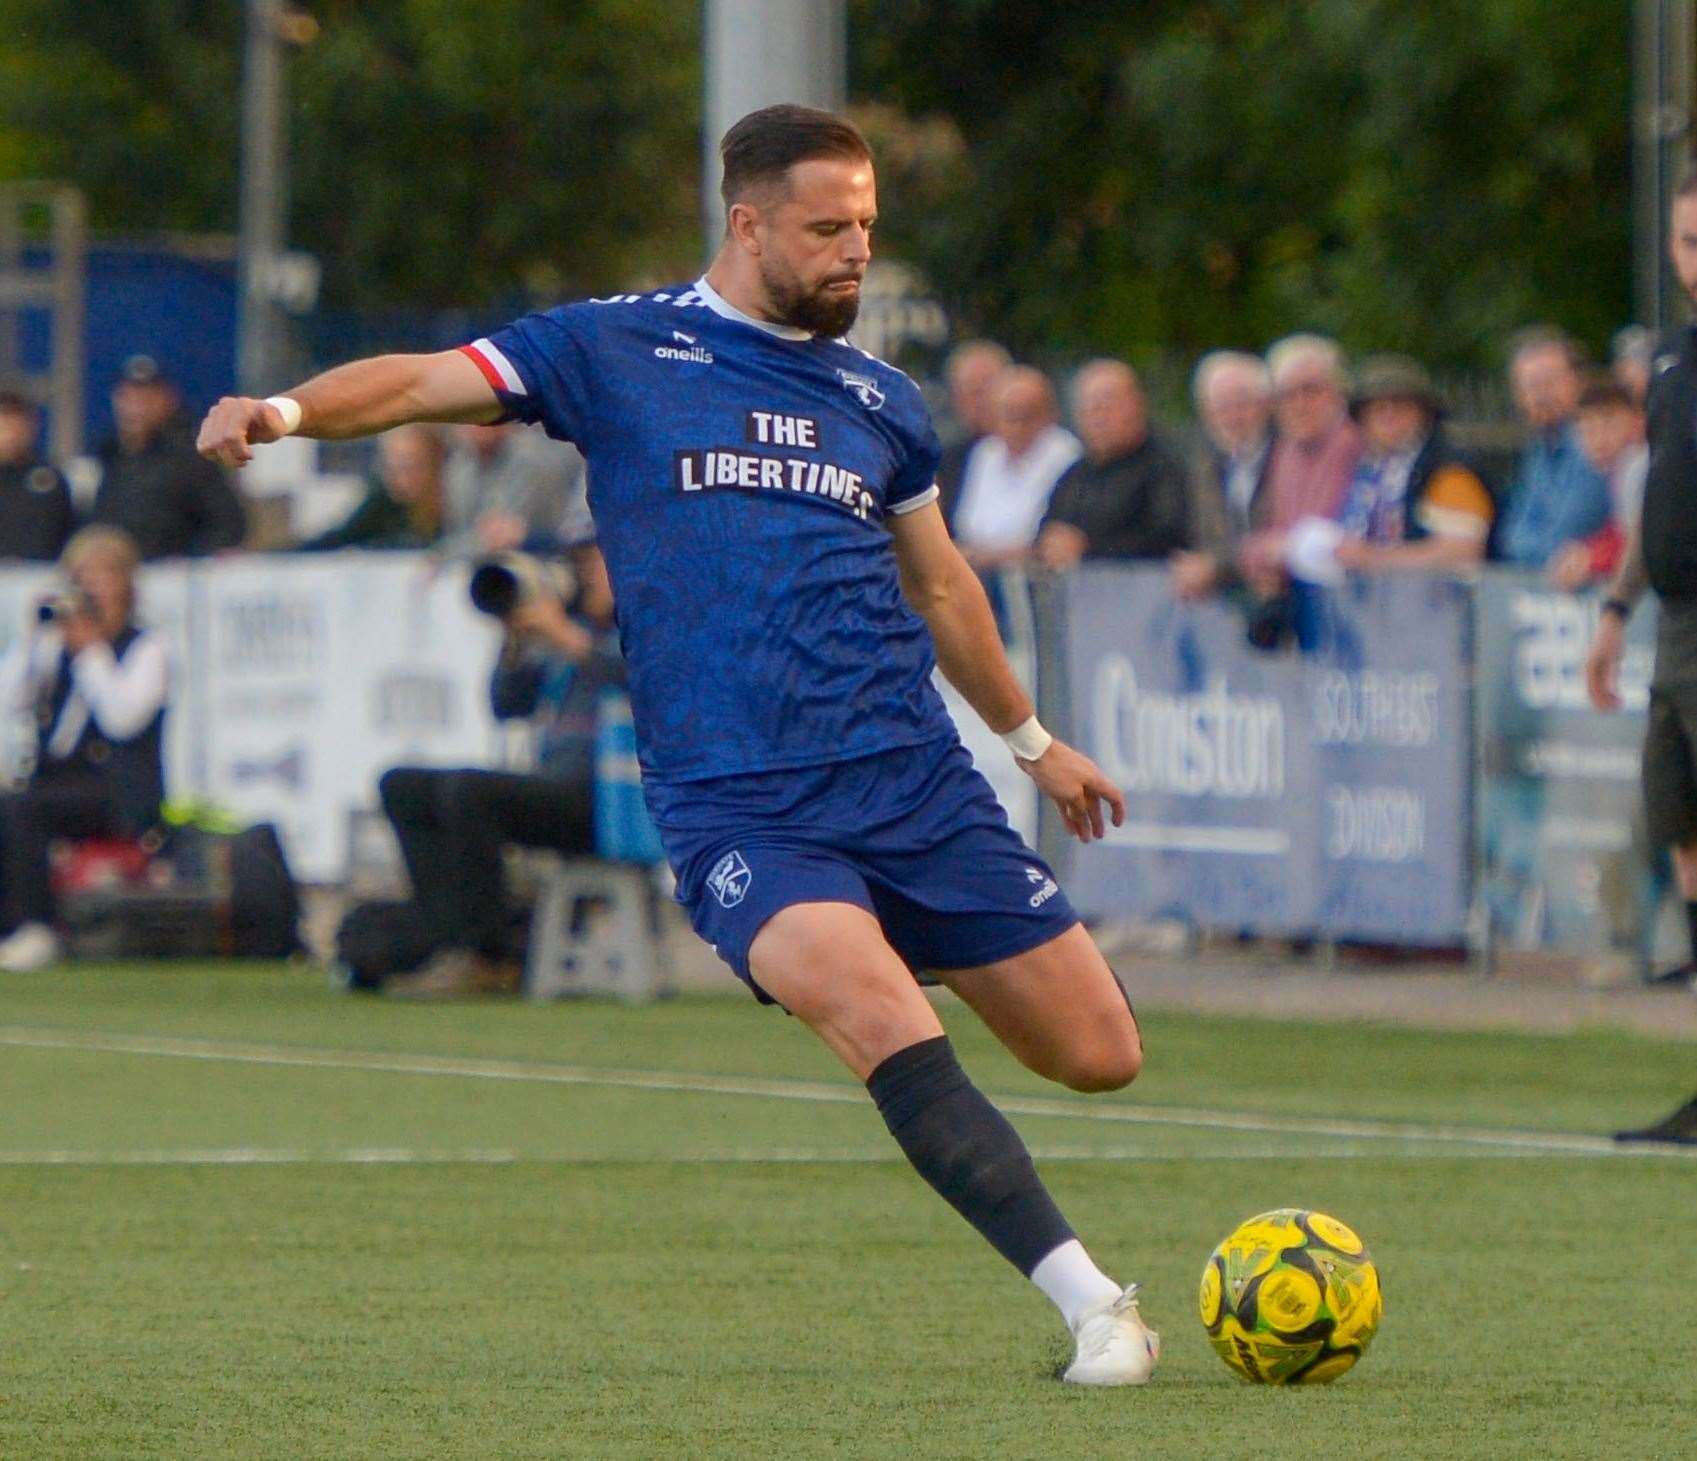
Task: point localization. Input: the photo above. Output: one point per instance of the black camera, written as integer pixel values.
(62, 604)
(507, 582)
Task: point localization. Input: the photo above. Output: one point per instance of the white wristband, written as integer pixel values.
(289, 409)
(1028, 741)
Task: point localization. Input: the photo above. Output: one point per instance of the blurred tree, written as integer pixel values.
(442, 153)
(1165, 177)
(1074, 175)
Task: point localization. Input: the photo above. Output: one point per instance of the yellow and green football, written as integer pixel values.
(1291, 1298)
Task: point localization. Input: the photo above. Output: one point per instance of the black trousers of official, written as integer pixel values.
(452, 825)
(54, 806)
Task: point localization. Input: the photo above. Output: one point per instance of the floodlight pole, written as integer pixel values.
(756, 53)
(1662, 60)
(264, 198)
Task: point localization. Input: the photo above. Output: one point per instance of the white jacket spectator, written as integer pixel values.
(1011, 474)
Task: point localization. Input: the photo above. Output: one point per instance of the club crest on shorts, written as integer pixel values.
(729, 879)
(863, 388)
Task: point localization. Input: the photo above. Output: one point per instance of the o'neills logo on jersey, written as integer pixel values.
(727, 466)
(685, 349)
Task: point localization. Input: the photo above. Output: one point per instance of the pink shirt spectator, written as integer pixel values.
(1309, 478)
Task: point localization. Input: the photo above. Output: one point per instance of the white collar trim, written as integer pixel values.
(724, 308)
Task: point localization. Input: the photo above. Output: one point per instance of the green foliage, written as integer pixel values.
(442, 154)
(1419, 174)
(1078, 175)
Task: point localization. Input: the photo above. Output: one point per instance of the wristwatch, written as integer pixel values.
(1619, 607)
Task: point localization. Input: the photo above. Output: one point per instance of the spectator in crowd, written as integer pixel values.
(1611, 434)
(1559, 498)
(98, 684)
(402, 507)
(1314, 456)
(509, 487)
(1127, 496)
(1011, 473)
(1312, 463)
(1415, 501)
(452, 824)
(974, 369)
(1633, 353)
(1234, 401)
(36, 516)
(153, 483)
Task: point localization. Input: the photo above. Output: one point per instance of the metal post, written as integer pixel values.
(1662, 59)
(264, 197)
(758, 53)
(70, 282)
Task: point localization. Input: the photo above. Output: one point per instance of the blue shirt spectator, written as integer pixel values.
(1559, 498)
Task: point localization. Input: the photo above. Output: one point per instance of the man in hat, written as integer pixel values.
(1415, 501)
(153, 483)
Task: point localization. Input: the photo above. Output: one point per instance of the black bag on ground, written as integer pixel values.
(226, 894)
(379, 940)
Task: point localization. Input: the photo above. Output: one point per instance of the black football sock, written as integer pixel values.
(969, 1153)
(1691, 923)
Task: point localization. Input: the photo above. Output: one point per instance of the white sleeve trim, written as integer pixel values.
(913, 504)
(510, 378)
(123, 697)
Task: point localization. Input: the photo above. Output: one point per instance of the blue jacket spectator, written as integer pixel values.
(1559, 497)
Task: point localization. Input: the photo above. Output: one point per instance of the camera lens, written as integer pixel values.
(495, 589)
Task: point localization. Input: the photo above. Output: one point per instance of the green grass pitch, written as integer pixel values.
(243, 1216)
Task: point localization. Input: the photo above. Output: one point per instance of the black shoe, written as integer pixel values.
(1681, 1127)
(1684, 977)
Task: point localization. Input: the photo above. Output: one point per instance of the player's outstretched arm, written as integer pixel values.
(946, 593)
(357, 399)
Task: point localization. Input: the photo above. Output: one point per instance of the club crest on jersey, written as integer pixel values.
(684, 349)
(729, 879)
(863, 388)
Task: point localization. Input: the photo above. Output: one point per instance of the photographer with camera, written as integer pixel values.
(98, 685)
(560, 653)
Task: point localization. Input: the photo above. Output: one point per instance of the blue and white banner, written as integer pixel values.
(1327, 794)
(1560, 811)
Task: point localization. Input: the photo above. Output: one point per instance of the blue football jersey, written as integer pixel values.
(740, 474)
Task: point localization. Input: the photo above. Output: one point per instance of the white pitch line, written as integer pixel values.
(472, 1068)
(776, 1157)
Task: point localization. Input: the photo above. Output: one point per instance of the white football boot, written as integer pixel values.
(1115, 1346)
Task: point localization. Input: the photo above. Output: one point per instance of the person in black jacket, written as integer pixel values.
(1661, 554)
(98, 685)
(153, 483)
(36, 516)
(1127, 496)
(403, 504)
(452, 824)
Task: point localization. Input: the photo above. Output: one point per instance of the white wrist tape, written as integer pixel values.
(1028, 741)
(289, 409)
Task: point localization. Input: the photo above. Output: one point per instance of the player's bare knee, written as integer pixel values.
(1104, 1065)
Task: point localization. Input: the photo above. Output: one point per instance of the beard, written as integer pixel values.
(816, 309)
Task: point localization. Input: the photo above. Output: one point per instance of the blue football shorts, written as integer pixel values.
(913, 835)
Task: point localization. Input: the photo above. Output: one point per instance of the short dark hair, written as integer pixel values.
(1602, 393)
(14, 400)
(1688, 184)
(766, 144)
